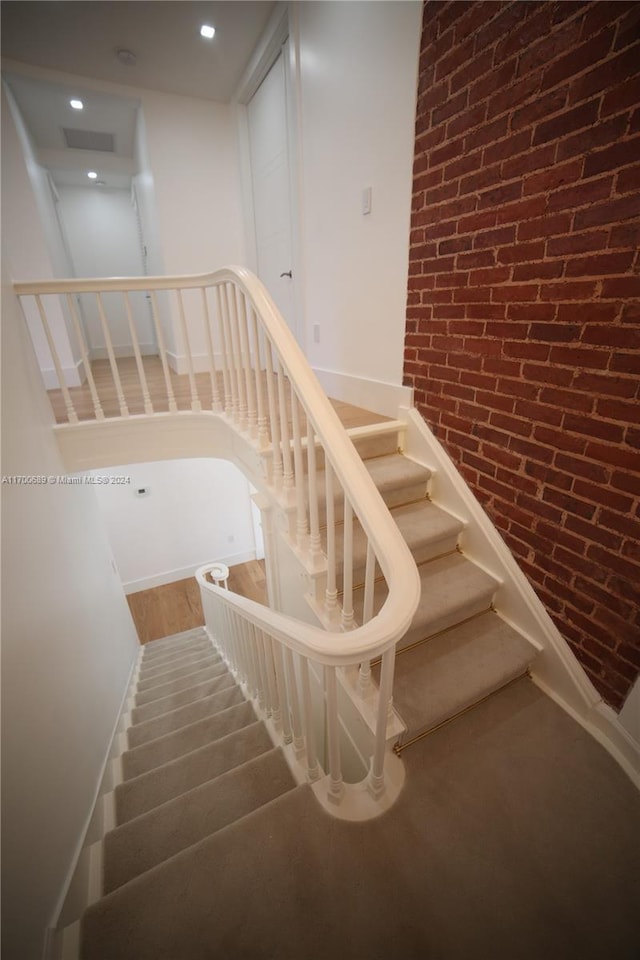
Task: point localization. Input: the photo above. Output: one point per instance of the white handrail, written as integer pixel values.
(293, 392)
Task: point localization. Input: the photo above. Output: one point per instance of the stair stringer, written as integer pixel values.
(556, 670)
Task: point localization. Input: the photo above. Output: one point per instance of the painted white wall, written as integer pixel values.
(33, 248)
(196, 511)
(357, 86)
(68, 644)
(102, 232)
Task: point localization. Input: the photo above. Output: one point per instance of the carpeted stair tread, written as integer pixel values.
(453, 671)
(160, 647)
(193, 906)
(428, 531)
(141, 844)
(453, 588)
(171, 659)
(207, 659)
(204, 707)
(398, 479)
(139, 794)
(200, 688)
(194, 735)
(215, 669)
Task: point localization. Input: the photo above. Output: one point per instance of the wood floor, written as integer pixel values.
(175, 607)
(349, 415)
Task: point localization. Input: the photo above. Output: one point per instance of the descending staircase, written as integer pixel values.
(458, 650)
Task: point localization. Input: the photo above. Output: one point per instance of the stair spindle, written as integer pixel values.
(263, 428)
(216, 406)
(122, 403)
(347, 571)
(146, 398)
(336, 786)
(221, 302)
(302, 527)
(313, 769)
(331, 591)
(245, 350)
(237, 359)
(84, 353)
(196, 406)
(287, 470)
(277, 469)
(173, 407)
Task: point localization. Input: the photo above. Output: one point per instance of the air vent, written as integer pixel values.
(89, 140)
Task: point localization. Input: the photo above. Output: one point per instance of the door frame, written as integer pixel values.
(279, 37)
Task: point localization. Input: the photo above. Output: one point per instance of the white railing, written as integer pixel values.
(253, 373)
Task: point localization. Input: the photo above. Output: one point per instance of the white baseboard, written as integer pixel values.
(122, 350)
(73, 376)
(376, 395)
(201, 364)
(170, 576)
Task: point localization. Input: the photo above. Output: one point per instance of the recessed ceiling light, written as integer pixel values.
(76, 104)
(92, 175)
(207, 31)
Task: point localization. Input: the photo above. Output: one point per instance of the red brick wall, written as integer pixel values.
(523, 318)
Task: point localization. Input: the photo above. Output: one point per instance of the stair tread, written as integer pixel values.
(201, 688)
(398, 479)
(182, 683)
(153, 754)
(438, 679)
(213, 912)
(159, 664)
(139, 794)
(187, 666)
(452, 588)
(154, 647)
(182, 716)
(146, 841)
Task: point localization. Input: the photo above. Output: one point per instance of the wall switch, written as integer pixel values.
(366, 201)
(142, 491)
(316, 333)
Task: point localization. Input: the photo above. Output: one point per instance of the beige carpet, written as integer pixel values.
(516, 838)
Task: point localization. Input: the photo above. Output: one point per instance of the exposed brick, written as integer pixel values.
(523, 309)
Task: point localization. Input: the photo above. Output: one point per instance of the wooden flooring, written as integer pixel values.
(349, 415)
(175, 607)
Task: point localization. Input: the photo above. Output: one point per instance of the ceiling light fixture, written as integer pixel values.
(92, 175)
(127, 58)
(76, 104)
(207, 31)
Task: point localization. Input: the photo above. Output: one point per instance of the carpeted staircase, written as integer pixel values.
(201, 772)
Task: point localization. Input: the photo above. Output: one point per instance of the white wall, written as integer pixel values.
(102, 233)
(358, 66)
(33, 248)
(68, 644)
(197, 511)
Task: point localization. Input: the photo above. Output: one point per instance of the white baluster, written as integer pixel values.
(287, 472)
(245, 351)
(196, 406)
(216, 405)
(276, 452)
(72, 416)
(237, 359)
(302, 527)
(296, 720)
(263, 430)
(313, 770)
(84, 353)
(171, 400)
(287, 735)
(364, 678)
(221, 300)
(122, 403)
(347, 572)
(146, 399)
(336, 786)
(263, 684)
(376, 784)
(315, 543)
(331, 592)
(227, 300)
(274, 693)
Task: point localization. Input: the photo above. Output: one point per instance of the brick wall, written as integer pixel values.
(523, 317)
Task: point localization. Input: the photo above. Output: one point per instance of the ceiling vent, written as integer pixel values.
(89, 140)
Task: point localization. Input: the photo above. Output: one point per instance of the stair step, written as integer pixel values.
(201, 688)
(134, 797)
(428, 531)
(172, 745)
(398, 479)
(183, 683)
(158, 664)
(141, 844)
(452, 589)
(437, 680)
(204, 707)
(160, 647)
(203, 911)
(187, 666)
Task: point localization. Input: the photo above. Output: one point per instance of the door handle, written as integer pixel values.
(287, 273)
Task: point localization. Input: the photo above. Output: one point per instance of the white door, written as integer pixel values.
(270, 181)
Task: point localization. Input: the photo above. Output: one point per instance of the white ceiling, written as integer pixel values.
(82, 38)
